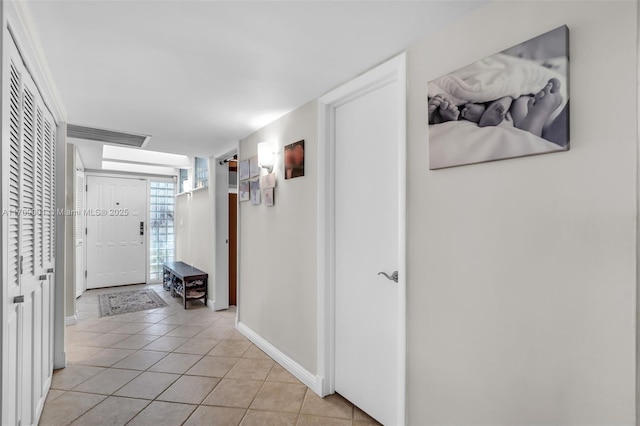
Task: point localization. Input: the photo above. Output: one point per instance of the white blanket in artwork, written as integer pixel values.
(495, 77)
(462, 142)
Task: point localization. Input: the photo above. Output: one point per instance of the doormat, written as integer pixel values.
(129, 301)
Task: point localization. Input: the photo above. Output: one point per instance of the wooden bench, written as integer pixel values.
(184, 280)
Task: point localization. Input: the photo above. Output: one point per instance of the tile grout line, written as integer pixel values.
(228, 337)
(256, 395)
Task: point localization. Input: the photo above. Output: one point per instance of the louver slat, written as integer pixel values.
(14, 178)
(28, 183)
(39, 189)
(50, 192)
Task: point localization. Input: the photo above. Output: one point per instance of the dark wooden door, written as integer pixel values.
(233, 253)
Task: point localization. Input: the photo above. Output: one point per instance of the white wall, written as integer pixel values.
(522, 273)
(277, 272)
(194, 232)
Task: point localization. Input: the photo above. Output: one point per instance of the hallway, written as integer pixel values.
(171, 366)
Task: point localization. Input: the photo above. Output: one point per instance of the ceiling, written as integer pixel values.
(200, 75)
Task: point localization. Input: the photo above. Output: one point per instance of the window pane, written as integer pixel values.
(162, 247)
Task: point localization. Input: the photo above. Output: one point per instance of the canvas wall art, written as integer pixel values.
(512, 104)
(244, 169)
(294, 160)
(255, 191)
(268, 197)
(254, 167)
(243, 191)
(268, 181)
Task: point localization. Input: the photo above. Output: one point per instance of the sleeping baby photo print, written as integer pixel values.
(512, 104)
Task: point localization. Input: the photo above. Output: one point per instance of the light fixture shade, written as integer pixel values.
(266, 155)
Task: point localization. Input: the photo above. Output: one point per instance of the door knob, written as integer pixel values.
(392, 277)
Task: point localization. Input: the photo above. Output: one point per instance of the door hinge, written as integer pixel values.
(86, 231)
(86, 188)
(21, 259)
(85, 273)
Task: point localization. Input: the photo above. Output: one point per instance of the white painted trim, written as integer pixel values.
(211, 304)
(220, 293)
(402, 240)
(73, 319)
(393, 70)
(299, 372)
(59, 354)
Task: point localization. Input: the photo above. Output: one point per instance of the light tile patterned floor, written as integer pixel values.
(171, 366)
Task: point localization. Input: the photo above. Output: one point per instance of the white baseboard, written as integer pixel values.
(211, 304)
(311, 380)
(73, 319)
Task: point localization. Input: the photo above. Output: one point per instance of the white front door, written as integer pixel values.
(116, 228)
(367, 127)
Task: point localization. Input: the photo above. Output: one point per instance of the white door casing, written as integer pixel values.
(361, 231)
(116, 250)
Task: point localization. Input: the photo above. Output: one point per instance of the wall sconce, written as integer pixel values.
(266, 156)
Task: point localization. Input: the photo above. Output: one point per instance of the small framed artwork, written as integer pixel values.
(244, 169)
(268, 181)
(255, 191)
(268, 197)
(512, 104)
(254, 168)
(243, 191)
(294, 160)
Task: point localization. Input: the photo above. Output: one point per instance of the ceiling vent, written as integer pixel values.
(107, 136)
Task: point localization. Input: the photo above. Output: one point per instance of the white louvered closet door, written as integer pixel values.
(29, 161)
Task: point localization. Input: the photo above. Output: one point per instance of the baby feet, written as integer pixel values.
(441, 109)
(540, 107)
(473, 112)
(496, 112)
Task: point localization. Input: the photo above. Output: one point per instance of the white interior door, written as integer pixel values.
(116, 227)
(79, 228)
(368, 130)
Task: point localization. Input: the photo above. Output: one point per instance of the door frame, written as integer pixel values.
(389, 72)
(221, 225)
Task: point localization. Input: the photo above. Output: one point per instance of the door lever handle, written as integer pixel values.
(393, 277)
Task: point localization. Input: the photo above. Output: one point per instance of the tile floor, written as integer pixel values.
(171, 366)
